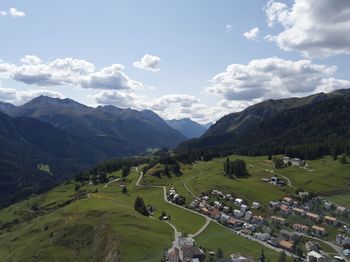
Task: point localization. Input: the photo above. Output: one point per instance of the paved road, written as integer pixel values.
(171, 203)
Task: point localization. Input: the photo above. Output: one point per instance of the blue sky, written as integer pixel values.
(194, 40)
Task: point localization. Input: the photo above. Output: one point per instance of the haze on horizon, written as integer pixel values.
(197, 59)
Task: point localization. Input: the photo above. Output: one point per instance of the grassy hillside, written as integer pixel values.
(102, 226)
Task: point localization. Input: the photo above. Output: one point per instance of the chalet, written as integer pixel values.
(226, 209)
(284, 210)
(289, 236)
(298, 211)
(286, 245)
(286, 160)
(278, 220)
(312, 217)
(256, 205)
(244, 208)
(262, 236)
(215, 213)
(342, 240)
(238, 202)
(340, 210)
(331, 220)
(297, 162)
(311, 246)
(301, 228)
(189, 253)
(258, 220)
(328, 205)
(205, 198)
(248, 215)
(205, 211)
(314, 256)
(318, 231)
(234, 223)
(287, 200)
(238, 213)
(224, 218)
(274, 205)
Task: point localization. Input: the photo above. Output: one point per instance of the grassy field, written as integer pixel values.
(105, 225)
(327, 177)
(216, 237)
(206, 176)
(45, 168)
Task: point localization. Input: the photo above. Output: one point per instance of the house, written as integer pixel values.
(226, 209)
(258, 220)
(173, 255)
(256, 205)
(278, 220)
(311, 246)
(205, 198)
(189, 253)
(299, 211)
(284, 210)
(238, 213)
(274, 205)
(248, 215)
(297, 162)
(287, 200)
(238, 202)
(301, 228)
(342, 240)
(318, 231)
(328, 205)
(244, 208)
(331, 220)
(262, 236)
(340, 210)
(286, 160)
(313, 217)
(215, 213)
(234, 223)
(314, 256)
(205, 211)
(286, 245)
(289, 236)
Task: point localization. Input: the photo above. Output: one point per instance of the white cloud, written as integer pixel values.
(31, 60)
(123, 99)
(68, 71)
(149, 63)
(274, 78)
(228, 28)
(316, 28)
(16, 13)
(252, 34)
(3, 13)
(13, 96)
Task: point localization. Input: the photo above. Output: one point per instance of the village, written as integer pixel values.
(295, 225)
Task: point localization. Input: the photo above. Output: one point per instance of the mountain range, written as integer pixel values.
(68, 137)
(188, 127)
(273, 125)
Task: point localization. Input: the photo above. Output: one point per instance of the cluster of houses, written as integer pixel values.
(174, 197)
(184, 250)
(274, 180)
(235, 213)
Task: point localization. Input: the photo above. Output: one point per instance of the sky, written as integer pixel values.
(200, 59)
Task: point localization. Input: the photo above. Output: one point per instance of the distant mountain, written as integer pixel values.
(276, 124)
(69, 137)
(5, 107)
(188, 127)
(111, 130)
(24, 144)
